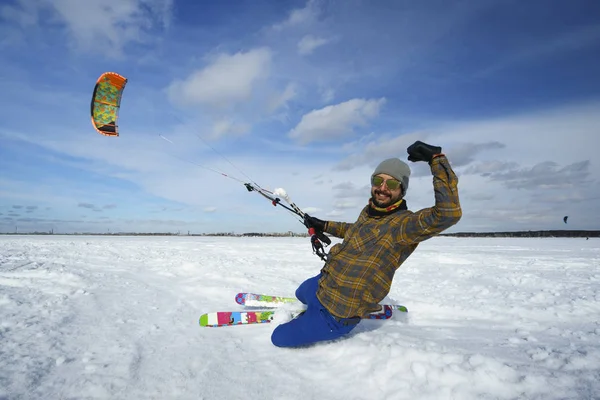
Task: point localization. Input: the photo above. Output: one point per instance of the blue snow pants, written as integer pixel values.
(315, 324)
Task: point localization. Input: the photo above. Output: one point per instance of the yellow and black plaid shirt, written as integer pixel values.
(359, 271)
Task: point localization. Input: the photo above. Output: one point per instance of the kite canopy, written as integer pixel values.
(106, 101)
(565, 219)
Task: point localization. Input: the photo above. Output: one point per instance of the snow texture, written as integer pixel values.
(117, 318)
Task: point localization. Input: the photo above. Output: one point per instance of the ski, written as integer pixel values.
(231, 318)
(263, 300)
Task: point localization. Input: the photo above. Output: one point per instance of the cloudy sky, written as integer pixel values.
(305, 96)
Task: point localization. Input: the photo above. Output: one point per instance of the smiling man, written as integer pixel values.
(389, 183)
(358, 272)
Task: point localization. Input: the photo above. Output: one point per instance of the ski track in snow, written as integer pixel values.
(117, 318)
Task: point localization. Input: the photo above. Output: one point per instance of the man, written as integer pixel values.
(358, 272)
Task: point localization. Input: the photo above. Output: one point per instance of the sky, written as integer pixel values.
(304, 96)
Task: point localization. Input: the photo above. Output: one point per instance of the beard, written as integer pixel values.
(383, 198)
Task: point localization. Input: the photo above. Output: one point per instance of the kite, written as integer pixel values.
(106, 101)
(565, 219)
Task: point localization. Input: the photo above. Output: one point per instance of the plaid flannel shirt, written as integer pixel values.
(359, 271)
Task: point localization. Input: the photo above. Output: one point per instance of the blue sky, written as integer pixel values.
(305, 96)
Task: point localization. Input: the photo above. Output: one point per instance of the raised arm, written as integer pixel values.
(446, 212)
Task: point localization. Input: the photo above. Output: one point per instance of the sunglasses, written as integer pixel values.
(391, 184)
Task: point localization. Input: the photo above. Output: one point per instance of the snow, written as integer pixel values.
(117, 318)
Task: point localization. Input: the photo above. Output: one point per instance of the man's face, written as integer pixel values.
(382, 195)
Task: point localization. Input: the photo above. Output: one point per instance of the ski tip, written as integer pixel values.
(401, 308)
(204, 320)
(240, 299)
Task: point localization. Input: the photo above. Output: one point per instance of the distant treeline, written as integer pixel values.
(556, 233)
(534, 234)
(232, 234)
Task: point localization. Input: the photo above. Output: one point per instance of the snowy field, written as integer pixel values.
(117, 318)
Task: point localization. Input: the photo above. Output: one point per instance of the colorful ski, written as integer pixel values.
(230, 318)
(263, 300)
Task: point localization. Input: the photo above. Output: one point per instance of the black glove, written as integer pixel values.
(312, 222)
(419, 151)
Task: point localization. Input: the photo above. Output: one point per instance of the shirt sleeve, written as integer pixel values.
(429, 222)
(337, 229)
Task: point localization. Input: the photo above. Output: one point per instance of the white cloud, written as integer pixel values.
(336, 121)
(370, 151)
(227, 127)
(227, 80)
(567, 133)
(281, 99)
(487, 167)
(545, 175)
(342, 205)
(466, 153)
(109, 25)
(346, 190)
(311, 210)
(334, 214)
(299, 16)
(309, 43)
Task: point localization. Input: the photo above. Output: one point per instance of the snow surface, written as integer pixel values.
(117, 318)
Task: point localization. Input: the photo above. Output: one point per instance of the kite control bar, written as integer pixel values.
(316, 237)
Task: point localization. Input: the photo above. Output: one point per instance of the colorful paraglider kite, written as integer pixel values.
(106, 101)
